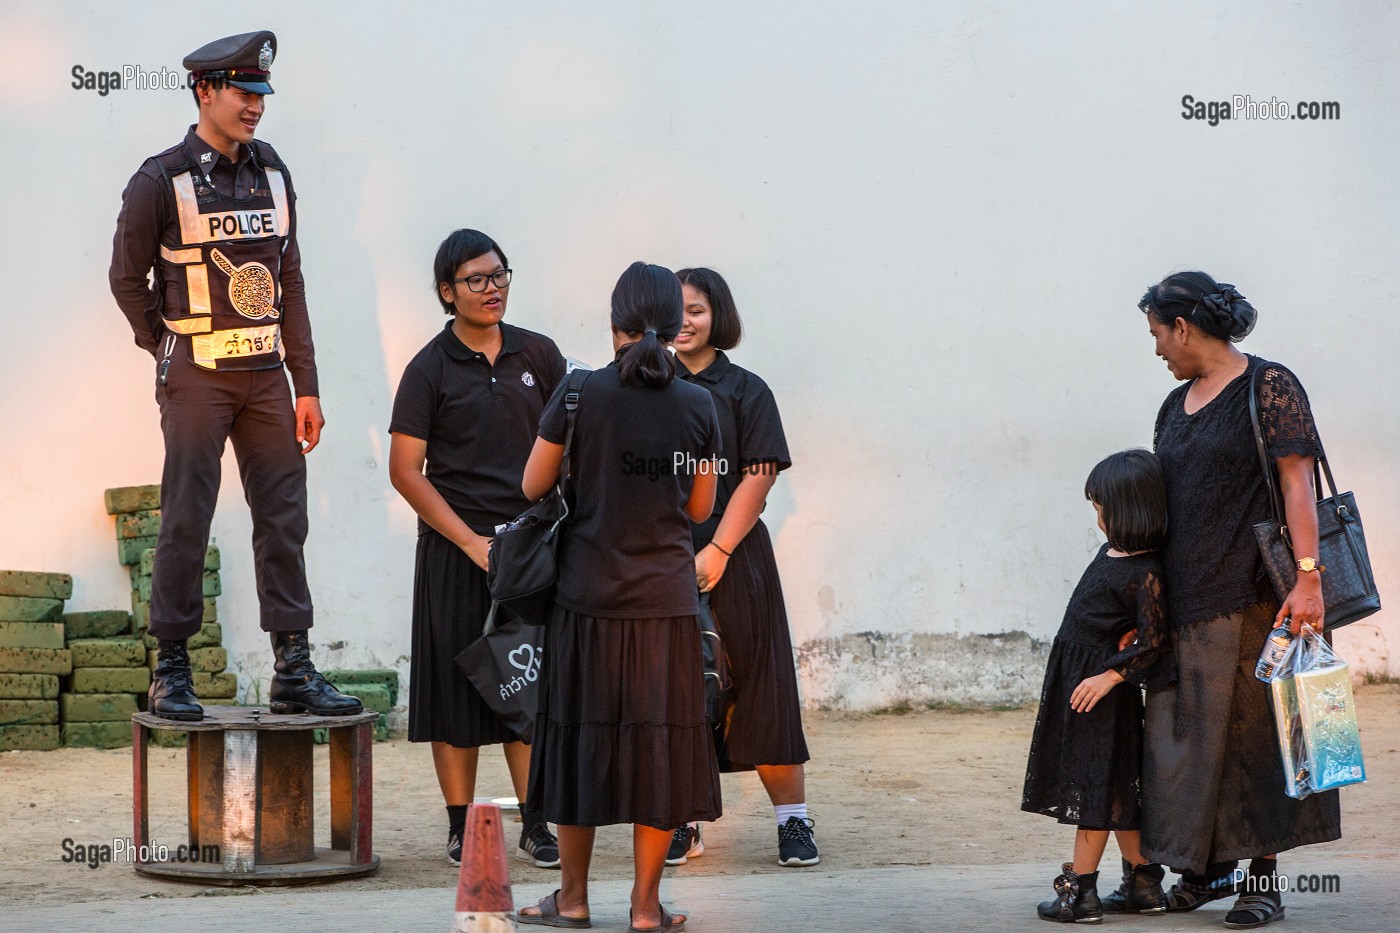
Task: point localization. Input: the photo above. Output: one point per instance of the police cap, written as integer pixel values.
(242, 61)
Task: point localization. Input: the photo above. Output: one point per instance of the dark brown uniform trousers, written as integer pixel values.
(199, 411)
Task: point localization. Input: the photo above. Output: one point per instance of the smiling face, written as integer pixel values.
(695, 326)
(230, 114)
(1169, 343)
(477, 309)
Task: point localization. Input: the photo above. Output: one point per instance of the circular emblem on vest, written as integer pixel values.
(528, 379)
(250, 287)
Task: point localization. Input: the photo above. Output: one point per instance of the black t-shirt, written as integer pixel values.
(751, 432)
(479, 420)
(626, 553)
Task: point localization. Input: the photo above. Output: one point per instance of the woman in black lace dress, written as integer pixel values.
(1213, 786)
(1086, 753)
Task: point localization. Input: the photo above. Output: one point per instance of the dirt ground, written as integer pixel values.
(903, 788)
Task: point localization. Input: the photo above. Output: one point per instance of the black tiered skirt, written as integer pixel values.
(621, 735)
(450, 602)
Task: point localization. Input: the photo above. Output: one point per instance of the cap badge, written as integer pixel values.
(265, 56)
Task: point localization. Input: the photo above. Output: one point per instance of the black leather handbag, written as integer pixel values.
(521, 564)
(1348, 585)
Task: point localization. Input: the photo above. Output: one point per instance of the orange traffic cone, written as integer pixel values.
(484, 903)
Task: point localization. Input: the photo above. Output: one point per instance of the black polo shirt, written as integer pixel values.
(626, 554)
(479, 420)
(751, 432)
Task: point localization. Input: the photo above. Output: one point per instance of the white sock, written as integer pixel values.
(785, 810)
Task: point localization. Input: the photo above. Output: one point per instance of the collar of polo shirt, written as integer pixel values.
(716, 370)
(511, 342)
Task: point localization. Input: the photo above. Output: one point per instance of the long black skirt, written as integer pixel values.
(766, 727)
(1212, 778)
(450, 602)
(621, 735)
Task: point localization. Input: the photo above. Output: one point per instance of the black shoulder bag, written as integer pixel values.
(1348, 586)
(521, 565)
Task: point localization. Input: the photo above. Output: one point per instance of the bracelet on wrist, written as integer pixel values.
(721, 550)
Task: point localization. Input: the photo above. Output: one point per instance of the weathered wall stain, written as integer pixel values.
(871, 670)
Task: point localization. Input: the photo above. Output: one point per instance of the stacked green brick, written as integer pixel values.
(108, 681)
(378, 690)
(32, 657)
(137, 513)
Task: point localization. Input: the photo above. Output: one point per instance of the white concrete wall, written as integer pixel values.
(937, 219)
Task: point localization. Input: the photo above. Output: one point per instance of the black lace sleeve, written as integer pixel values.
(1284, 414)
(1135, 662)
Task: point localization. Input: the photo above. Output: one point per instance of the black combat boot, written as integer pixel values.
(1140, 892)
(298, 687)
(172, 684)
(1077, 898)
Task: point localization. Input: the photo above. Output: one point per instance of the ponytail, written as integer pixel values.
(646, 364)
(647, 300)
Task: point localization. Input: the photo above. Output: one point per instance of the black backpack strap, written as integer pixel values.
(573, 391)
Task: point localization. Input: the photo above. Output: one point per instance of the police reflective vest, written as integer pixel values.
(221, 281)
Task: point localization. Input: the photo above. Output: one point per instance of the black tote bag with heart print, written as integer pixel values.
(504, 666)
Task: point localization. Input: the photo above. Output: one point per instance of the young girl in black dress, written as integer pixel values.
(1086, 753)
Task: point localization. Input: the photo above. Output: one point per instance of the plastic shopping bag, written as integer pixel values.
(1315, 714)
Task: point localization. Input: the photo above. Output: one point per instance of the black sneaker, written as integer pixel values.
(454, 847)
(797, 846)
(686, 844)
(539, 846)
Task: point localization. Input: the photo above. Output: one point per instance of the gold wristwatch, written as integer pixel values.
(1309, 564)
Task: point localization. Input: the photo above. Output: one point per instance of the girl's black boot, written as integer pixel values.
(1076, 898)
(1140, 892)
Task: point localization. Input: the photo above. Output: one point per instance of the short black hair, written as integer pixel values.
(1131, 489)
(1215, 307)
(647, 301)
(726, 330)
(460, 246)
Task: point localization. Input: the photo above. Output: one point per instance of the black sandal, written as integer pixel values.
(1253, 910)
(1186, 895)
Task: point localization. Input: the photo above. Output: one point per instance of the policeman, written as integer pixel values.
(212, 221)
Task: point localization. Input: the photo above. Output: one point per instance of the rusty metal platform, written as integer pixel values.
(250, 779)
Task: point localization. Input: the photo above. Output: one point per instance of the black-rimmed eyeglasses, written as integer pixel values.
(477, 283)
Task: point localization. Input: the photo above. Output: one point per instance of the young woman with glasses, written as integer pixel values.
(464, 420)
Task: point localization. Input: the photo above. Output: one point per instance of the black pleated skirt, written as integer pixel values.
(766, 727)
(450, 602)
(621, 735)
(1212, 779)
